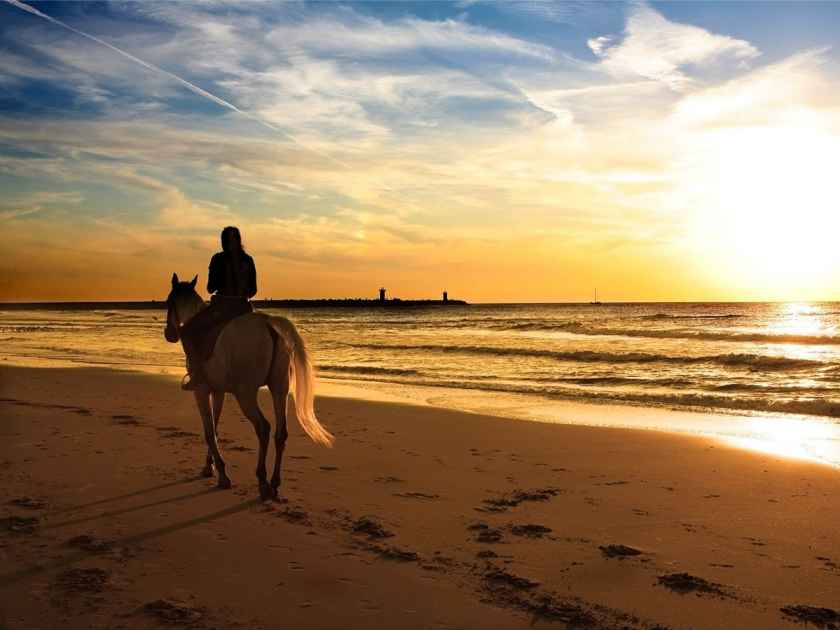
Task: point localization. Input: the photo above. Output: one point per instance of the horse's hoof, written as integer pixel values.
(207, 472)
(224, 483)
(265, 492)
(275, 492)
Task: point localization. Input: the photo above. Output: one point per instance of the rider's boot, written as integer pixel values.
(195, 379)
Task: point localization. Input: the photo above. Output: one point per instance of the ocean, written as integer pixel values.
(756, 360)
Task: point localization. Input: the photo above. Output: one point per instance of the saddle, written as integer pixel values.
(213, 320)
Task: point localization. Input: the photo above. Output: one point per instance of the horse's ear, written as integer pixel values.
(193, 282)
(174, 279)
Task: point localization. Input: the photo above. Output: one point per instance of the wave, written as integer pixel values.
(619, 380)
(816, 406)
(661, 316)
(698, 336)
(772, 389)
(539, 325)
(369, 369)
(753, 361)
(43, 328)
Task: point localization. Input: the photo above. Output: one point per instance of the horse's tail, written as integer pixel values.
(303, 375)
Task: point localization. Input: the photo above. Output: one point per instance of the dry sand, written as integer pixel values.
(418, 518)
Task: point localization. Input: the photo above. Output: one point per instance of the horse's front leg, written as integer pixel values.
(217, 399)
(202, 399)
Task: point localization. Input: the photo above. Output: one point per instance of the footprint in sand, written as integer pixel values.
(485, 533)
(19, 525)
(530, 530)
(820, 617)
(619, 551)
(370, 527)
(684, 583)
(89, 544)
(81, 581)
(498, 575)
(395, 553)
(389, 480)
(125, 419)
(29, 503)
(171, 612)
(828, 563)
(174, 432)
(417, 495)
(294, 515)
(513, 499)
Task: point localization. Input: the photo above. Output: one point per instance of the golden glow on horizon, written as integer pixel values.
(768, 211)
(653, 187)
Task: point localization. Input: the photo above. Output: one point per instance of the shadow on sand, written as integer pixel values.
(133, 508)
(129, 495)
(76, 556)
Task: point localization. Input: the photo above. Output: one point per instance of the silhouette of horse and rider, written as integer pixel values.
(232, 348)
(232, 282)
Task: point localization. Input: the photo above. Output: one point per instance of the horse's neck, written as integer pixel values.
(193, 309)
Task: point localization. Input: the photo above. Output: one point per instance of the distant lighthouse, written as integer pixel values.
(382, 294)
(445, 296)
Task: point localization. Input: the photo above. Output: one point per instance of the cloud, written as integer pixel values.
(658, 49)
(32, 203)
(358, 36)
(762, 97)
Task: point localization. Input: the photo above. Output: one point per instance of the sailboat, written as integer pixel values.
(595, 301)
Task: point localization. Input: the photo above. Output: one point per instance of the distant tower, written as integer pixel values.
(382, 294)
(445, 296)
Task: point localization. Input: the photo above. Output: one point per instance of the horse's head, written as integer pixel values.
(182, 303)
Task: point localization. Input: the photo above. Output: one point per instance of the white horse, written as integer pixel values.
(252, 350)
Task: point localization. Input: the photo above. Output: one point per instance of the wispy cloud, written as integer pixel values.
(658, 49)
(187, 84)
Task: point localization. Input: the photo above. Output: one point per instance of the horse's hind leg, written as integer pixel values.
(202, 399)
(217, 399)
(279, 391)
(251, 408)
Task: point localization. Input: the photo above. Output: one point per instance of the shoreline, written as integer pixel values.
(494, 523)
(799, 436)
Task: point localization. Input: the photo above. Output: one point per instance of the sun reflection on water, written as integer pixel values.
(797, 318)
(797, 437)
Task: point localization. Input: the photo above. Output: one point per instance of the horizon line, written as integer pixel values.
(4, 302)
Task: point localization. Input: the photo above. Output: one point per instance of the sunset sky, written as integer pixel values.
(505, 151)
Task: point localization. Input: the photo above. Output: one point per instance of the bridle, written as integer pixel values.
(173, 322)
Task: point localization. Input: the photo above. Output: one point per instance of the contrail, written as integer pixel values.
(192, 87)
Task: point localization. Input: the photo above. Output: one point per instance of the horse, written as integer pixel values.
(252, 350)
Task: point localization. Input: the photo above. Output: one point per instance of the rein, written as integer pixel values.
(171, 331)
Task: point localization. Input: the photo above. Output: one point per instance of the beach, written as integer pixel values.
(419, 517)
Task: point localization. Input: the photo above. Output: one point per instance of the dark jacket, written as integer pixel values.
(225, 280)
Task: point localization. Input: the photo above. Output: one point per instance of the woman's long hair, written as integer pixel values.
(228, 232)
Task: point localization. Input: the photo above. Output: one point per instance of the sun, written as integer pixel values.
(767, 213)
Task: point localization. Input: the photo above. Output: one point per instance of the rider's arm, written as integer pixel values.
(216, 275)
(252, 278)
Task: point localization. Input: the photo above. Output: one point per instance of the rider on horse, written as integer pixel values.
(232, 282)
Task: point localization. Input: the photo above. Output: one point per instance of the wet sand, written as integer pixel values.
(418, 518)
